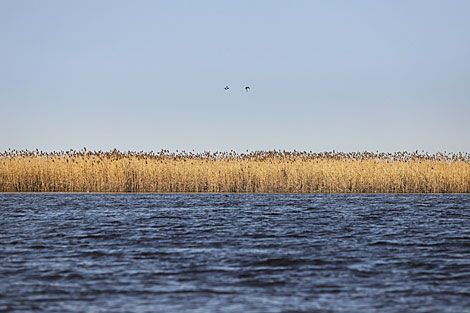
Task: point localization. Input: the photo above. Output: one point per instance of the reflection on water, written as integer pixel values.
(234, 253)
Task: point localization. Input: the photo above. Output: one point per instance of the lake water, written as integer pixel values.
(234, 253)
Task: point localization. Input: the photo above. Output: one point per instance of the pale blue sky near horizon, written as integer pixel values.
(150, 75)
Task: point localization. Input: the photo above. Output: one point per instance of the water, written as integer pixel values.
(234, 253)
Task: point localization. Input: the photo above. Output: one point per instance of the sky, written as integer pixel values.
(150, 75)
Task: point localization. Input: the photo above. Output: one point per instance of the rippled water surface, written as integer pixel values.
(234, 253)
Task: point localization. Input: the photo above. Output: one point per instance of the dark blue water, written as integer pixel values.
(234, 253)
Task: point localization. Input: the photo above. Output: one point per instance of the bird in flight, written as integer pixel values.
(247, 88)
(226, 88)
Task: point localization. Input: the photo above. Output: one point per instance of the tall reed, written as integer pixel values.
(258, 172)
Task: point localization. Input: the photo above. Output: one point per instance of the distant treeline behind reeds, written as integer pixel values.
(256, 172)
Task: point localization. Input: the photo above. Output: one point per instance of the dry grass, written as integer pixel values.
(270, 172)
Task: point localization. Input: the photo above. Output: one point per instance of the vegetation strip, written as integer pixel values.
(254, 172)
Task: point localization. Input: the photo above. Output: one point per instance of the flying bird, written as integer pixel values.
(247, 88)
(226, 88)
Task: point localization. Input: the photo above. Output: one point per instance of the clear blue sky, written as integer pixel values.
(147, 75)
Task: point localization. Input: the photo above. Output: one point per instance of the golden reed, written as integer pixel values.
(257, 172)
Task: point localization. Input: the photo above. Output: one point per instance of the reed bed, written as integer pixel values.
(254, 172)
